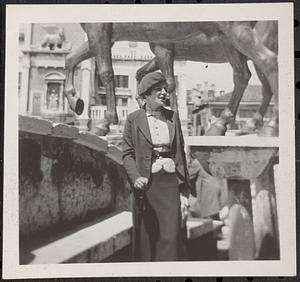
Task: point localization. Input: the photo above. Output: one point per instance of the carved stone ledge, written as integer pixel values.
(35, 125)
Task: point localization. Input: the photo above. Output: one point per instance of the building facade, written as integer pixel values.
(205, 107)
(42, 73)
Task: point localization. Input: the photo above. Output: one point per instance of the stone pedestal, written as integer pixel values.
(265, 215)
(252, 201)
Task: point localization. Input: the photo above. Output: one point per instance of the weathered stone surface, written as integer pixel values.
(38, 201)
(242, 245)
(65, 131)
(265, 216)
(247, 163)
(63, 182)
(92, 141)
(93, 243)
(197, 227)
(100, 240)
(115, 154)
(35, 125)
(253, 217)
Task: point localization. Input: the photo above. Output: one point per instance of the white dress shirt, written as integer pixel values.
(160, 136)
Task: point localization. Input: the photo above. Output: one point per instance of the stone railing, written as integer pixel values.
(66, 178)
(98, 112)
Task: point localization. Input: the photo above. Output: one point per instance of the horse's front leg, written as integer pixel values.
(72, 60)
(100, 43)
(241, 77)
(256, 122)
(164, 56)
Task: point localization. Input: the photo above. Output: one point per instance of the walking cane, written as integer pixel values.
(139, 197)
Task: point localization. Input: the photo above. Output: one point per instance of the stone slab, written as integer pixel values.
(64, 131)
(245, 163)
(197, 227)
(92, 141)
(234, 141)
(35, 125)
(101, 240)
(115, 154)
(108, 236)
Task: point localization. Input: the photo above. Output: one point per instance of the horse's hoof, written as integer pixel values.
(269, 131)
(79, 106)
(216, 130)
(249, 129)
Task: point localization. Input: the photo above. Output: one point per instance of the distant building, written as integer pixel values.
(210, 110)
(42, 73)
(198, 100)
(42, 76)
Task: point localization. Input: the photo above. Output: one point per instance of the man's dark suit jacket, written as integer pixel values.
(138, 147)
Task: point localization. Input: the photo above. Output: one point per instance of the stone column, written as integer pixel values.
(85, 94)
(265, 215)
(24, 84)
(182, 102)
(251, 199)
(242, 238)
(61, 97)
(25, 71)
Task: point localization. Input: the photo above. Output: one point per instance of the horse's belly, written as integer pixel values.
(159, 32)
(202, 49)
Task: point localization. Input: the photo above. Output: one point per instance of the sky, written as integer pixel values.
(219, 74)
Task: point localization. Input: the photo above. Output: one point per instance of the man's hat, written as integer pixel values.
(149, 80)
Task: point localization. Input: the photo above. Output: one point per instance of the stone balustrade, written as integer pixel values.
(66, 177)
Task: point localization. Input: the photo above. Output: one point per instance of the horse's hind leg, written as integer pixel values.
(256, 122)
(164, 57)
(241, 77)
(141, 72)
(247, 41)
(149, 67)
(100, 44)
(72, 60)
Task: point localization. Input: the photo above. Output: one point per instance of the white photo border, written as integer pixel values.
(283, 12)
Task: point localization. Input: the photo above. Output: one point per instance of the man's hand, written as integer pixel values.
(184, 203)
(141, 183)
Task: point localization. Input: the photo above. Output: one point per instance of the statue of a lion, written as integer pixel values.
(52, 39)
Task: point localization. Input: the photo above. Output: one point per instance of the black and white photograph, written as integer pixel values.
(149, 140)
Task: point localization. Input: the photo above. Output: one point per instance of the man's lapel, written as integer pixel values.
(143, 125)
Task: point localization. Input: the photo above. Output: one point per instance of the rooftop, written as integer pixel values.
(252, 94)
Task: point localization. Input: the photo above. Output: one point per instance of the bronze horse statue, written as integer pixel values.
(219, 49)
(101, 37)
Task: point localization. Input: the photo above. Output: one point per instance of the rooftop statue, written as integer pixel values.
(54, 37)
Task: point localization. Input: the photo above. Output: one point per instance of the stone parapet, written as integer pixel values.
(66, 177)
